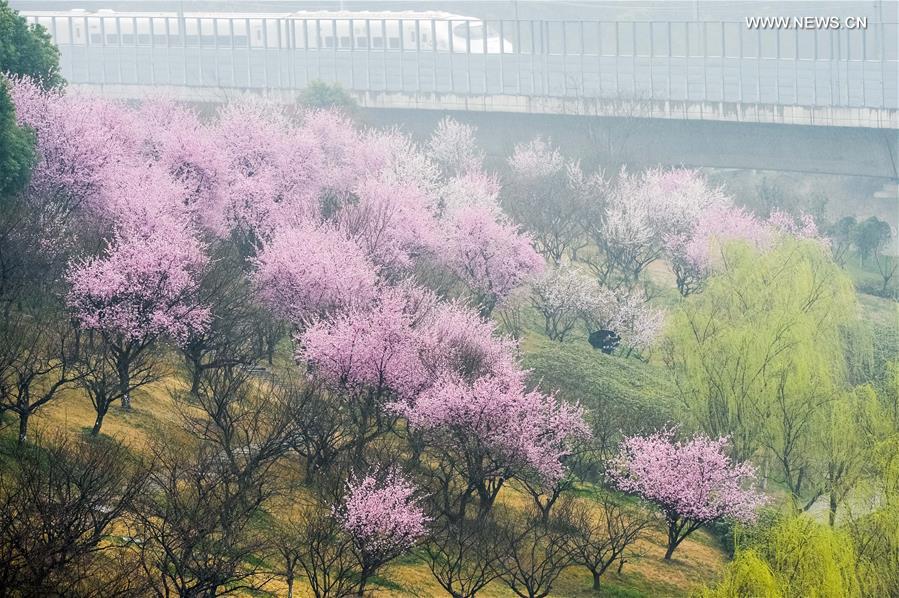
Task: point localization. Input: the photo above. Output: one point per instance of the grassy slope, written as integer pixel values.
(698, 560)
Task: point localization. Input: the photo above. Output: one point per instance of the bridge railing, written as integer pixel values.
(646, 60)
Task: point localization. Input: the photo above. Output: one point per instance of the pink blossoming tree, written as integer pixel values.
(493, 429)
(691, 251)
(383, 518)
(141, 288)
(693, 482)
(489, 254)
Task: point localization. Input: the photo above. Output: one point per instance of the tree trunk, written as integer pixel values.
(124, 372)
(290, 586)
(596, 577)
(832, 514)
(101, 413)
(23, 427)
(670, 551)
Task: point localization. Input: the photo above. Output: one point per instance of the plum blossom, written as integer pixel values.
(391, 221)
(382, 516)
(454, 148)
(536, 159)
(693, 482)
(144, 284)
(501, 427)
(488, 253)
(309, 271)
(373, 347)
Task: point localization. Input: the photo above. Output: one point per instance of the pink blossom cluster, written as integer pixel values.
(309, 271)
(382, 516)
(489, 253)
(143, 285)
(497, 416)
(692, 479)
(802, 226)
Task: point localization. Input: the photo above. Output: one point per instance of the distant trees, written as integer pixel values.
(693, 482)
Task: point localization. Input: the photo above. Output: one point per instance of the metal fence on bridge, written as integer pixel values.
(677, 61)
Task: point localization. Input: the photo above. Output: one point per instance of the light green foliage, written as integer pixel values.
(759, 355)
(795, 557)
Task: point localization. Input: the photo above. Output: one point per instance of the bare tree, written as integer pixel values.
(607, 534)
(533, 552)
(325, 553)
(199, 527)
(463, 556)
(34, 365)
(59, 501)
(98, 374)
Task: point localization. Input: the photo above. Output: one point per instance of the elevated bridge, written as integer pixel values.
(718, 71)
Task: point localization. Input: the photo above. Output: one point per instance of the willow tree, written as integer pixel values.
(795, 557)
(759, 355)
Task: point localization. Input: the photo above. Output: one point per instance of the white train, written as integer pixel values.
(414, 31)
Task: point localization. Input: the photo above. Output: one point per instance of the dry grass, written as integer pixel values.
(156, 414)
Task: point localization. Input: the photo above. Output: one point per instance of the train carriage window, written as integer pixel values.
(442, 35)
(272, 37)
(61, 30)
(312, 34)
(377, 34)
(143, 31)
(207, 32)
(160, 35)
(126, 32)
(94, 33)
(459, 36)
(255, 33)
(425, 35)
(344, 34)
(327, 35)
(238, 31)
(192, 32)
(508, 32)
(392, 29)
(299, 34)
